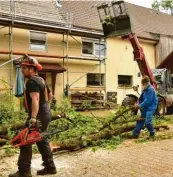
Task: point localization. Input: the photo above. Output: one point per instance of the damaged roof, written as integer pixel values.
(147, 23)
(167, 63)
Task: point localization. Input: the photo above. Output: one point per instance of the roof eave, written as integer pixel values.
(54, 29)
(151, 40)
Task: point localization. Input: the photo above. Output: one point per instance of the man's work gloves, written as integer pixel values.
(33, 122)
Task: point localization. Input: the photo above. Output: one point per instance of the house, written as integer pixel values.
(69, 43)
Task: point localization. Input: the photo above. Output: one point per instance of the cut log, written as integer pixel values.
(87, 140)
(18, 126)
(3, 142)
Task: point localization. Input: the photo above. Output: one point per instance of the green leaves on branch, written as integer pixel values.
(163, 5)
(108, 20)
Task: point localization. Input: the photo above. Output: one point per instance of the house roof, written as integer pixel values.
(55, 67)
(34, 11)
(167, 63)
(146, 22)
(41, 15)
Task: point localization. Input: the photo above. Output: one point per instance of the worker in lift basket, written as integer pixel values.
(148, 102)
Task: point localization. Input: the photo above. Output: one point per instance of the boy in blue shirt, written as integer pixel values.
(148, 102)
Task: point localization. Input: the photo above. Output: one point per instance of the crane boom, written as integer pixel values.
(139, 57)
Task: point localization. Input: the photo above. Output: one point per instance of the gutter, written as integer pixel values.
(79, 31)
(73, 30)
(149, 39)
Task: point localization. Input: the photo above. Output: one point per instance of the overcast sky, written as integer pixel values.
(144, 3)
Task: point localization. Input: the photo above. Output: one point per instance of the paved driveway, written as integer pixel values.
(152, 159)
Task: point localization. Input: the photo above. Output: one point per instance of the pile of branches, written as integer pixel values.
(83, 131)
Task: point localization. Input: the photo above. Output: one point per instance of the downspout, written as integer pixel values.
(156, 54)
(67, 60)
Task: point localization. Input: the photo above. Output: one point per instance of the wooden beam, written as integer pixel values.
(53, 81)
(87, 89)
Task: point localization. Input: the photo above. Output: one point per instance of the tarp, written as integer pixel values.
(19, 90)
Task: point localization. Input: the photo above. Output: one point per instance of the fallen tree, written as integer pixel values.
(17, 126)
(93, 139)
(83, 130)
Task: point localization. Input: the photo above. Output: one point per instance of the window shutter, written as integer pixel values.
(37, 36)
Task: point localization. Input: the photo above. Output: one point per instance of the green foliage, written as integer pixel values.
(163, 5)
(53, 105)
(34, 149)
(156, 5)
(8, 115)
(86, 105)
(108, 20)
(63, 107)
(111, 143)
(158, 120)
(10, 151)
(167, 5)
(80, 125)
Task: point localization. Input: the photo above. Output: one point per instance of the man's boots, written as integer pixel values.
(47, 170)
(21, 174)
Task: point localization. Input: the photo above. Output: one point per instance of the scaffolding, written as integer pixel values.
(14, 13)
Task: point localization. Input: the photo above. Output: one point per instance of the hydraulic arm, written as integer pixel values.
(139, 57)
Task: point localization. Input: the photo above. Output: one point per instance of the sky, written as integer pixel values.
(144, 3)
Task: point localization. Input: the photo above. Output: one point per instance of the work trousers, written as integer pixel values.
(147, 122)
(24, 161)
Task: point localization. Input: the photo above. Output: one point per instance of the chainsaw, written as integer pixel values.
(29, 136)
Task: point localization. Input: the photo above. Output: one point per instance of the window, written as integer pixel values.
(100, 49)
(37, 41)
(95, 79)
(124, 81)
(87, 48)
(94, 48)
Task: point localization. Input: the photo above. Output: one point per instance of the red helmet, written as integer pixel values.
(30, 61)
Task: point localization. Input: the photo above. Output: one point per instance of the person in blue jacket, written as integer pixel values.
(148, 102)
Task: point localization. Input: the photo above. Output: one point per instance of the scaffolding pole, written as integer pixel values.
(101, 61)
(63, 40)
(12, 11)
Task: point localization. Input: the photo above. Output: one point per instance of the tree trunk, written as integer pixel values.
(80, 142)
(18, 126)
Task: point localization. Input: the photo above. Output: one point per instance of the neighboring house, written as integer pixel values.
(73, 50)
